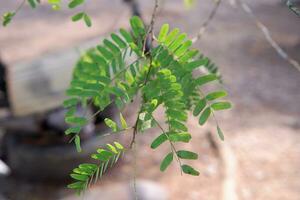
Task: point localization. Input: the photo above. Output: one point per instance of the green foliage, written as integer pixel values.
(86, 173)
(164, 76)
(7, 17)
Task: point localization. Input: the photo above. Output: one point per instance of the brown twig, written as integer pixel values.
(149, 32)
(207, 21)
(246, 8)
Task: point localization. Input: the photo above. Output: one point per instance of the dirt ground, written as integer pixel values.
(263, 128)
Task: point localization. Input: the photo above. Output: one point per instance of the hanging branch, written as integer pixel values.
(246, 8)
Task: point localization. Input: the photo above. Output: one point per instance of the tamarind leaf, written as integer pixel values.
(166, 162)
(74, 130)
(75, 3)
(204, 116)
(163, 33)
(70, 102)
(221, 105)
(220, 133)
(87, 20)
(215, 95)
(111, 124)
(189, 170)
(197, 63)
(187, 155)
(77, 16)
(7, 17)
(159, 140)
(199, 107)
(118, 40)
(171, 37)
(123, 121)
(77, 143)
(81, 121)
(180, 137)
(206, 79)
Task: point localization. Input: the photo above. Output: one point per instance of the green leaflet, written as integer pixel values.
(123, 121)
(111, 124)
(137, 26)
(199, 107)
(77, 143)
(166, 162)
(118, 40)
(204, 116)
(74, 130)
(33, 3)
(78, 16)
(215, 95)
(81, 121)
(221, 105)
(187, 155)
(70, 102)
(205, 79)
(189, 170)
(163, 33)
(220, 133)
(159, 140)
(87, 20)
(180, 137)
(75, 3)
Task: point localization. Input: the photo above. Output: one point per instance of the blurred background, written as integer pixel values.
(260, 158)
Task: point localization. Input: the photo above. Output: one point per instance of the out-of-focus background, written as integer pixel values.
(260, 158)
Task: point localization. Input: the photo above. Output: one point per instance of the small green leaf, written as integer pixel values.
(206, 79)
(221, 105)
(159, 140)
(32, 3)
(189, 170)
(204, 116)
(79, 177)
(199, 107)
(77, 143)
(118, 40)
(215, 95)
(119, 146)
(197, 63)
(81, 121)
(220, 133)
(76, 185)
(112, 148)
(163, 33)
(87, 20)
(7, 17)
(70, 102)
(78, 16)
(137, 26)
(123, 121)
(166, 162)
(187, 155)
(111, 124)
(177, 125)
(74, 130)
(75, 3)
(180, 137)
(126, 35)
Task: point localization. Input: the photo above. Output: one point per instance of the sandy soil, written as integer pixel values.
(263, 129)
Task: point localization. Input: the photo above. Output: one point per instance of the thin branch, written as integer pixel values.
(246, 8)
(173, 149)
(149, 32)
(207, 21)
